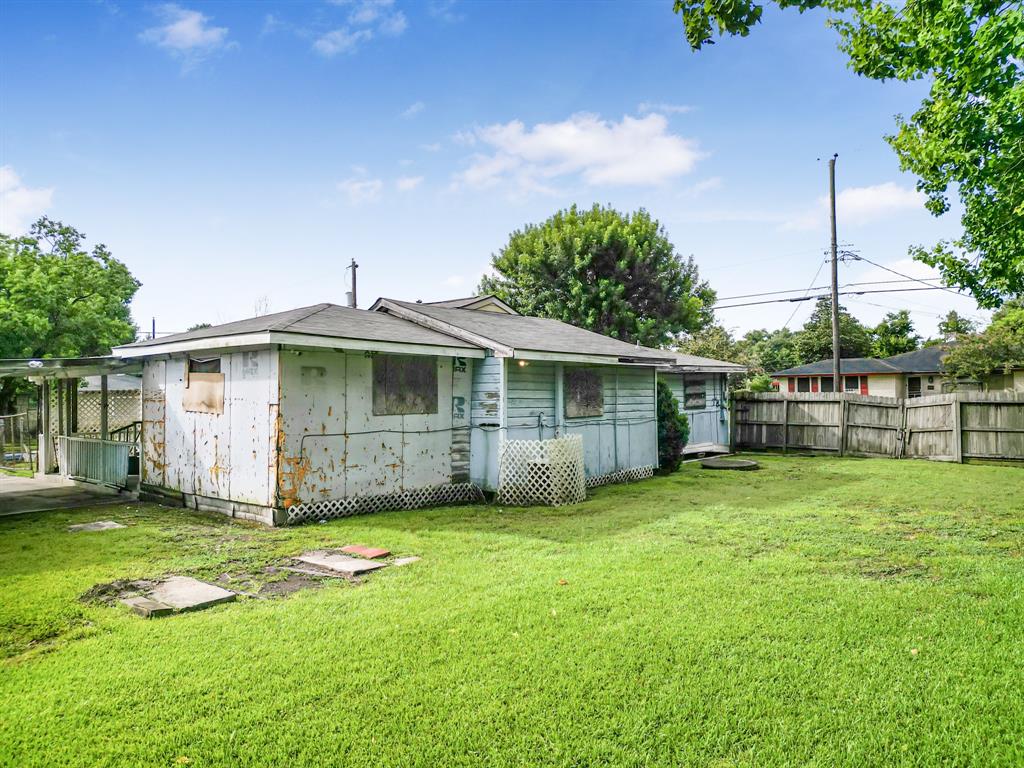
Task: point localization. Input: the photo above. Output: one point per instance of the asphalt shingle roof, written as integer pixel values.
(328, 320)
(537, 334)
(924, 360)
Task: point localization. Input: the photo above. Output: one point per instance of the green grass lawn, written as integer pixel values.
(817, 612)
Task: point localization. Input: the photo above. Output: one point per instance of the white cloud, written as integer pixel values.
(435, 147)
(413, 109)
(186, 34)
(368, 11)
(393, 25)
(634, 151)
(20, 205)
(858, 205)
(663, 108)
(408, 183)
(342, 40)
(445, 11)
(361, 190)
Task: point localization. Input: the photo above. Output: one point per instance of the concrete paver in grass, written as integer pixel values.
(350, 566)
(98, 525)
(177, 594)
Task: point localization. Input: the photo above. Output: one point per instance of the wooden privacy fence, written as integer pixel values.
(952, 427)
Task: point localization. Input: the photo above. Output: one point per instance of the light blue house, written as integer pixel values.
(700, 384)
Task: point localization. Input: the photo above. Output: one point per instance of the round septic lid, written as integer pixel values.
(729, 464)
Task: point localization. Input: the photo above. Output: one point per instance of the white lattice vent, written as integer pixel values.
(630, 475)
(457, 493)
(546, 472)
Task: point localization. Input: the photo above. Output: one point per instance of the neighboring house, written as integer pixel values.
(328, 410)
(911, 374)
(700, 384)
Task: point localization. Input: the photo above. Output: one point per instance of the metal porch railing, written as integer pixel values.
(94, 460)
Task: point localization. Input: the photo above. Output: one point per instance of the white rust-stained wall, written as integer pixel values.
(332, 446)
(226, 460)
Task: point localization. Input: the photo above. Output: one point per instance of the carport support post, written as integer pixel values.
(104, 432)
(43, 447)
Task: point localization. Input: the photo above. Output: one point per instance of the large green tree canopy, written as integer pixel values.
(59, 300)
(613, 273)
(968, 134)
(997, 349)
(814, 341)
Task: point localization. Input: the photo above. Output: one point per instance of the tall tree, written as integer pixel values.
(59, 300)
(968, 133)
(954, 325)
(715, 342)
(770, 351)
(814, 341)
(895, 335)
(613, 273)
(997, 349)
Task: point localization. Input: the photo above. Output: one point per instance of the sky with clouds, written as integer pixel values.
(228, 152)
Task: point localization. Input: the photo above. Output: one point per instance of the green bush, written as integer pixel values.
(673, 430)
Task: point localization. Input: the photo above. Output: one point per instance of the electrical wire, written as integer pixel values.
(857, 257)
(809, 289)
(825, 296)
(818, 287)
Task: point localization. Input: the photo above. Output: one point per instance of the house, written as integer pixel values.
(700, 384)
(911, 374)
(327, 410)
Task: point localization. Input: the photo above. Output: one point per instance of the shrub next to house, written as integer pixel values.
(673, 430)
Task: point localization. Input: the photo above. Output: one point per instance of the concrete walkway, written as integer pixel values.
(19, 495)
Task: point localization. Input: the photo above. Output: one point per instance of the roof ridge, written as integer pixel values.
(282, 326)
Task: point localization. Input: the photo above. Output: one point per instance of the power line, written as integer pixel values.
(809, 289)
(908, 277)
(817, 287)
(825, 296)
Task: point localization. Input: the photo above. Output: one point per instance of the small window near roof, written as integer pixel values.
(826, 384)
(204, 365)
(803, 384)
(852, 383)
(404, 385)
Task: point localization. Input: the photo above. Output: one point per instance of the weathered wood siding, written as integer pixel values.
(948, 427)
(709, 426)
(625, 436)
(486, 421)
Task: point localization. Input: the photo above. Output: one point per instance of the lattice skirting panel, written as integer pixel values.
(548, 472)
(457, 493)
(621, 476)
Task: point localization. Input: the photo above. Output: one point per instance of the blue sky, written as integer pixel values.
(235, 154)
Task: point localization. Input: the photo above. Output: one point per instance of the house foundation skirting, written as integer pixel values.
(456, 493)
(621, 476)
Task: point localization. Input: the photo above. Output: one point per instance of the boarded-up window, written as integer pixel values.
(584, 392)
(404, 385)
(695, 395)
(204, 393)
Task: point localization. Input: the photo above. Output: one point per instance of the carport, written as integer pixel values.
(99, 455)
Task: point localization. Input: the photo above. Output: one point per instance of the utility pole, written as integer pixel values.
(837, 385)
(152, 333)
(352, 294)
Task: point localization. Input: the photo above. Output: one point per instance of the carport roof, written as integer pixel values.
(66, 367)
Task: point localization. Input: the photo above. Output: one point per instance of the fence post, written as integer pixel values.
(842, 424)
(785, 425)
(958, 435)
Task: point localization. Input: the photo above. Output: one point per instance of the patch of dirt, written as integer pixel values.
(292, 583)
(110, 593)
